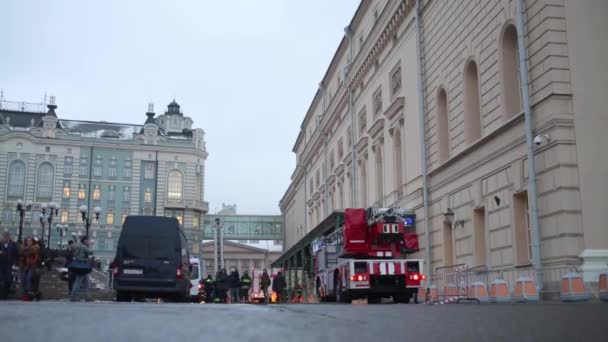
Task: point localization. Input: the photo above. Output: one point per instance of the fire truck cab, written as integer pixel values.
(366, 257)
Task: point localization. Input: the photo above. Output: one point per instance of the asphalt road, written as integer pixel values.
(64, 321)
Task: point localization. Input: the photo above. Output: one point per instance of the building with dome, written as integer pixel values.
(156, 167)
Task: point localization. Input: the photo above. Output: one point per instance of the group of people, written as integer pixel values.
(217, 290)
(26, 262)
(28, 257)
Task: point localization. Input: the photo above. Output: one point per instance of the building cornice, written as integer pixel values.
(101, 144)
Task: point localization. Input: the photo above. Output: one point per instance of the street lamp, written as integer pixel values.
(21, 209)
(87, 218)
(62, 230)
(54, 211)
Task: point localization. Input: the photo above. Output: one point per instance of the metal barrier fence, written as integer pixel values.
(456, 280)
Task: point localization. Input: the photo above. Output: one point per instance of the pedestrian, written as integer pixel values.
(81, 266)
(209, 289)
(221, 286)
(68, 260)
(235, 285)
(37, 271)
(9, 255)
(30, 257)
(245, 285)
(278, 286)
(264, 284)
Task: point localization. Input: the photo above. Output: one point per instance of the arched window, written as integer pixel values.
(472, 114)
(174, 187)
(510, 72)
(442, 125)
(16, 178)
(44, 185)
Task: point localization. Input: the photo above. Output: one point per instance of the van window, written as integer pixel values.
(147, 248)
(194, 274)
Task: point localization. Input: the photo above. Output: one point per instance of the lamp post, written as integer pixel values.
(62, 230)
(86, 217)
(21, 209)
(53, 210)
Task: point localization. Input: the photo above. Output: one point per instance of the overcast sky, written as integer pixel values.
(245, 71)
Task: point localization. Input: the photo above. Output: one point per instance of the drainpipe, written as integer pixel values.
(425, 196)
(352, 117)
(523, 75)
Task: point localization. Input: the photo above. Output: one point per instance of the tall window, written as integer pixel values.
(82, 194)
(362, 121)
(396, 81)
(510, 68)
(67, 166)
(377, 102)
(112, 193)
(148, 196)
(196, 222)
(127, 173)
(521, 224)
(442, 125)
(45, 180)
(174, 188)
(472, 114)
(66, 190)
(16, 178)
(109, 245)
(84, 167)
(64, 216)
(126, 193)
(149, 171)
(112, 172)
(97, 193)
(110, 218)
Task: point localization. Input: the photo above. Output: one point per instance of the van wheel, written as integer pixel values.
(122, 296)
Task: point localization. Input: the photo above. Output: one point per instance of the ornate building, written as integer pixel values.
(157, 168)
(426, 97)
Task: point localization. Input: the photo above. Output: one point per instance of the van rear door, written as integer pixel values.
(154, 259)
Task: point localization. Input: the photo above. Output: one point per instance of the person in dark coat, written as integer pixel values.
(9, 255)
(235, 285)
(278, 286)
(209, 289)
(245, 286)
(221, 285)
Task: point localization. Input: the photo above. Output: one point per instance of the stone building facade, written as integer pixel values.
(472, 138)
(157, 168)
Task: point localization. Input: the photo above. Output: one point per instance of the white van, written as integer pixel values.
(195, 278)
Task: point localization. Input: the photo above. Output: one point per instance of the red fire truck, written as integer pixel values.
(366, 257)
